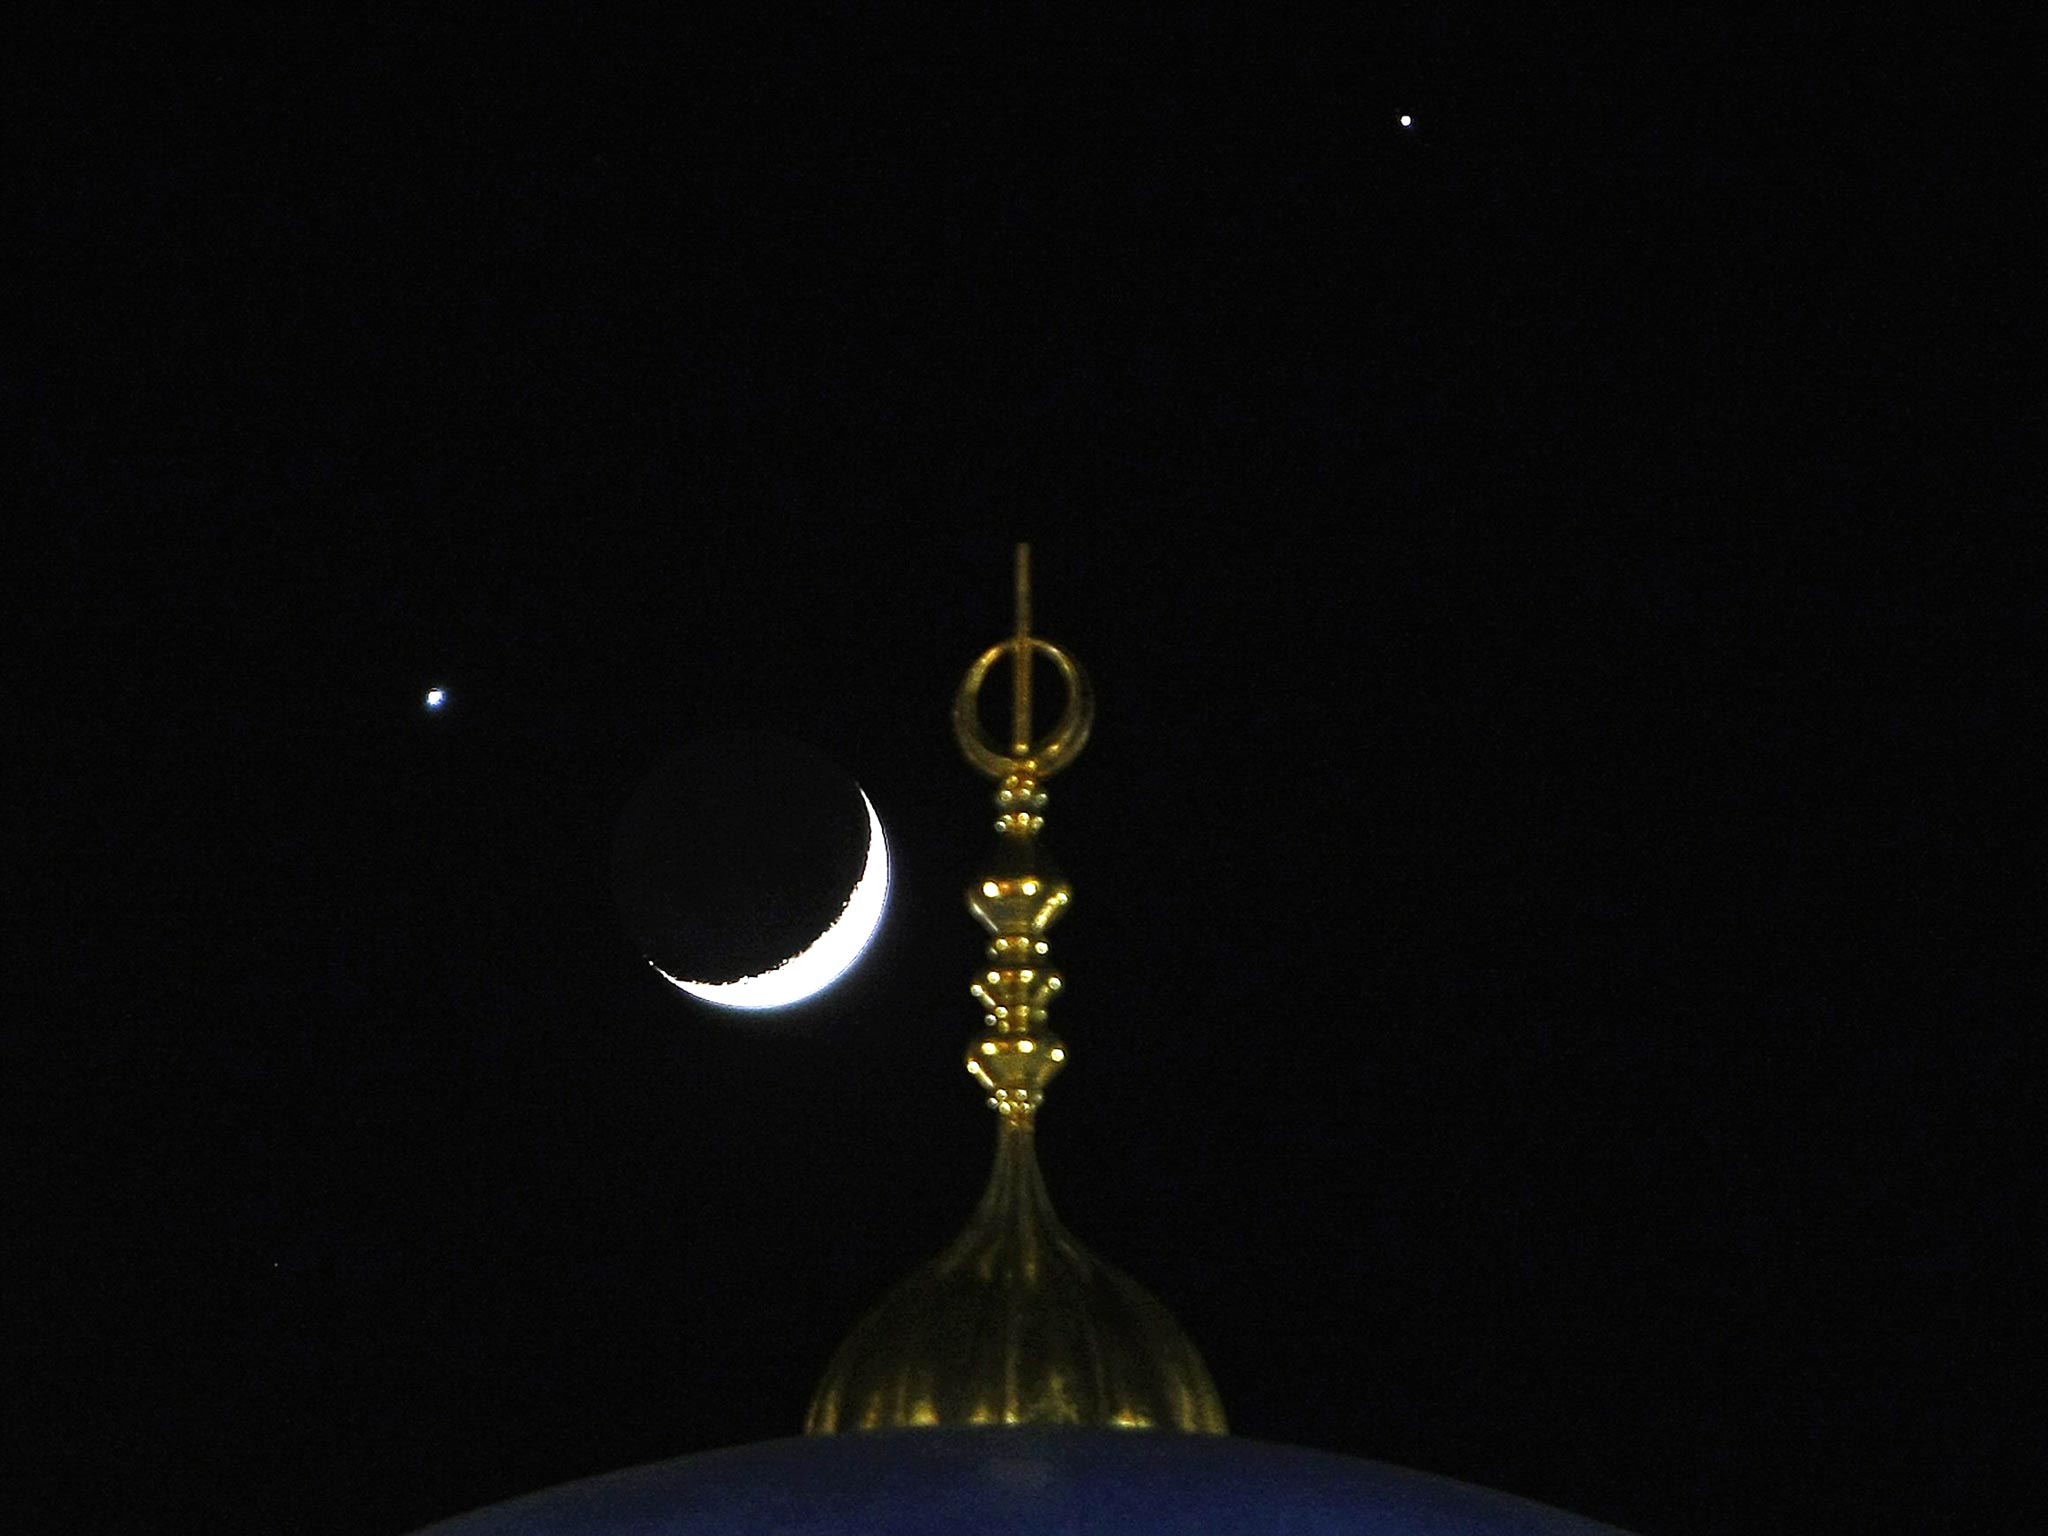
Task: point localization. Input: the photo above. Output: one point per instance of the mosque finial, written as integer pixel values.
(1016, 1322)
(1020, 893)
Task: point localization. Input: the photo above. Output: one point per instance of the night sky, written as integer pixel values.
(1547, 996)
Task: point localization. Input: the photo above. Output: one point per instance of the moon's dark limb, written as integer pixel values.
(737, 853)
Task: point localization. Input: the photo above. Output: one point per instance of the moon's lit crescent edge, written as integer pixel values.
(827, 957)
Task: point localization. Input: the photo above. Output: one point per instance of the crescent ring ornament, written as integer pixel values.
(1046, 756)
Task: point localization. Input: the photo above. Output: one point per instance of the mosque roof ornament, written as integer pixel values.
(1016, 1322)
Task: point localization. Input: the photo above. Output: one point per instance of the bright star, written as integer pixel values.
(436, 697)
(1407, 121)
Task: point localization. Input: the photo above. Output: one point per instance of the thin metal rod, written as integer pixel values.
(1020, 682)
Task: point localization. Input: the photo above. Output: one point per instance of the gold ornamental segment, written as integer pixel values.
(1028, 758)
(1020, 681)
(1055, 751)
(1019, 892)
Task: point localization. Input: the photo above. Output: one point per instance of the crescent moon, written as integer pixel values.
(828, 956)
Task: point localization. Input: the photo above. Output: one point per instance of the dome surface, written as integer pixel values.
(1045, 1481)
(1017, 1323)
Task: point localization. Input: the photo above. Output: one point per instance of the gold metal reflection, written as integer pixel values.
(1016, 1322)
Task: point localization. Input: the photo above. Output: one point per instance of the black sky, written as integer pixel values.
(1546, 1002)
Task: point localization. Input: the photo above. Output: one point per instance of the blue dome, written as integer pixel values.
(1044, 1481)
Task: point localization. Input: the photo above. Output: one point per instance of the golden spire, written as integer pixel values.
(1016, 1322)
(1020, 894)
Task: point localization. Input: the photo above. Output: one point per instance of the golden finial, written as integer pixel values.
(1020, 894)
(1016, 1322)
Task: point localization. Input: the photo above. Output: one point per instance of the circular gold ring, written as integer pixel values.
(1056, 751)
